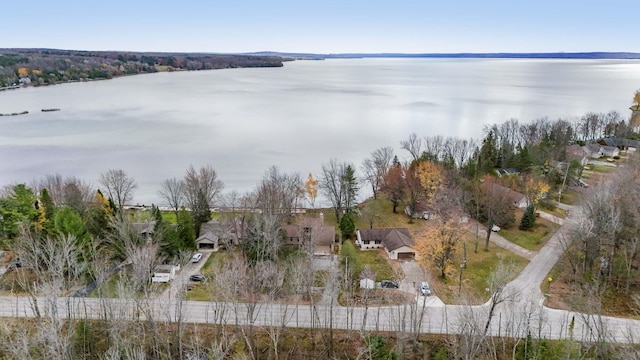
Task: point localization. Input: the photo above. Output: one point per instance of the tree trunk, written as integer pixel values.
(486, 242)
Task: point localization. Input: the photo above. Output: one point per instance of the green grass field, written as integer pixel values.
(479, 267)
(532, 239)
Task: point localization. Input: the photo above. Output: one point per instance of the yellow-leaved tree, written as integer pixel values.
(431, 179)
(42, 218)
(23, 72)
(636, 100)
(311, 187)
(439, 244)
(535, 190)
(635, 110)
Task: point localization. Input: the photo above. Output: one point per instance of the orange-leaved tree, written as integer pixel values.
(439, 244)
(311, 186)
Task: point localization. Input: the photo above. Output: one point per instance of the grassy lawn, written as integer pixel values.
(199, 292)
(169, 216)
(570, 197)
(377, 261)
(602, 168)
(385, 218)
(112, 288)
(532, 239)
(203, 291)
(474, 277)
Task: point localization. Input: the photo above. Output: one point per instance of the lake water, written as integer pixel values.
(297, 117)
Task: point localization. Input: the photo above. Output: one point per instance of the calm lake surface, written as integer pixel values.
(241, 121)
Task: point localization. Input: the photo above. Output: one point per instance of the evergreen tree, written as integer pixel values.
(48, 206)
(528, 219)
(185, 230)
(488, 156)
(19, 207)
(347, 225)
(98, 215)
(167, 234)
(522, 159)
(67, 222)
(349, 187)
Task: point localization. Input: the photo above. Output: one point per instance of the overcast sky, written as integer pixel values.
(327, 26)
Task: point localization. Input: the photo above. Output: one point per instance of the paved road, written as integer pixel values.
(522, 313)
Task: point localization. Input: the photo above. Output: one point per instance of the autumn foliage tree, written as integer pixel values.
(439, 245)
(311, 188)
(394, 186)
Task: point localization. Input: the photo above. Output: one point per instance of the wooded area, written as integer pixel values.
(48, 66)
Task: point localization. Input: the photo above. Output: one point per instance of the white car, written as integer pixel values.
(495, 228)
(196, 258)
(425, 289)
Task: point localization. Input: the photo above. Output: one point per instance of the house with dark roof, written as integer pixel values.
(397, 242)
(311, 229)
(145, 229)
(620, 143)
(507, 172)
(214, 234)
(517, 199)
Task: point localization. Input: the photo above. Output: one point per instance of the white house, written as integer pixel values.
(164, 273)
(397, 242)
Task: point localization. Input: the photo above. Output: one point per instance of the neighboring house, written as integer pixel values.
(397, 242)
(164, 273)
(145, 229)
(311, 229)
(610, 151)
(507, 172)
(593, 151)
(620, 143)
(517, 199)
(213, 234)
(420, 210)
(576, 152)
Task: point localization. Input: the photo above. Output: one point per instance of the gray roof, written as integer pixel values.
(391, 238)
(324, 235)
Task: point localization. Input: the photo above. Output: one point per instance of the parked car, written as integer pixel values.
(582, 183)
(495, 228)
(389, 284)
(196, 257)
(425, 289)
(14, 265)
(197, 278)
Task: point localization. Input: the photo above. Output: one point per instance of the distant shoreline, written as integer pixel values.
(548, 55)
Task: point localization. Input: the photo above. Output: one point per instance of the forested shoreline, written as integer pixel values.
(34, 67)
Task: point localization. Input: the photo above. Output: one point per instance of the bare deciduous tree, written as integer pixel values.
(375, 168)
(335, 184)
(278, 193)
(201, 188)
(172, 191)
(119, 187)
(413, 145)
